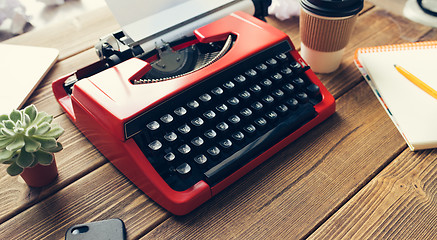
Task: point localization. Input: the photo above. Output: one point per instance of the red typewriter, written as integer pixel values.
(185, 107)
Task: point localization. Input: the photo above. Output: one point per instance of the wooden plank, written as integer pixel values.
(291, 184)
(395, 7)
(308, 164)
(78, 158)
(102, 194)
(73, 35)
(399, 203)
(302, 185)
(430, 36)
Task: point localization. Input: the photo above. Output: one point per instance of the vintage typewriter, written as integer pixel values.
(186, 105)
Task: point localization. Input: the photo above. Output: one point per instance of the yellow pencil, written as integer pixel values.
(416, 81)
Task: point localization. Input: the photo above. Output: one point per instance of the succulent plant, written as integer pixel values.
(28, 137)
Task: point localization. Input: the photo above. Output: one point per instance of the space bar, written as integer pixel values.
(229, 165)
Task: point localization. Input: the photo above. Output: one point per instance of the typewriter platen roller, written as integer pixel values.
(184, 114)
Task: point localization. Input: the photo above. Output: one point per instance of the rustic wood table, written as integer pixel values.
(351, 177)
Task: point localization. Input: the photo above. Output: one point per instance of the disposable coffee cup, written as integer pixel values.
(325, 29)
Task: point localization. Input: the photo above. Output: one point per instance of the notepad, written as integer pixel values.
(413, 111)
(21, 70)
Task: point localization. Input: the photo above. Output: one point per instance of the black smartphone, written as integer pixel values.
(110, 229)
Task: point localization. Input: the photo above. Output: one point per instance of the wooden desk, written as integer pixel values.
(350, 177)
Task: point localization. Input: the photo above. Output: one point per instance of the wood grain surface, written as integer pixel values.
(351, 177)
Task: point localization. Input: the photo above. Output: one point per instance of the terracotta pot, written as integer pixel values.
(40, 175)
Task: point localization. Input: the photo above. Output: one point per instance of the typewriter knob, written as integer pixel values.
(105, 45)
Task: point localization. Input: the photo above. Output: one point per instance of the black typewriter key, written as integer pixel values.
(184, 149)
(246, 112)
(244, 95)
(222, 126)
(255, 88)
(234, 119)
(200, 159)
(184, 129)
(240, 79)
(292, 103)
(268, 99)
(155, 145)
(272, 62)
(238, 136)
(217, 91)
(288, 87)
(205, 97)
(233, 101)
(302, 97)
(261, 122)
(153, 125)
(183, 169)
(222, 108)
(282, 108)
(193, 104)
(295, 65)
(277, 77)
(287, 72)
(210, 134)
(272, 115)
(266, 83)
(299, 82)
(197, 122)
(213, 151)
(167, 118)
(197, 141)
(257, 106)
(180, 111)
(278, 93)
(209, 114)
(226, 143)
(170, 136)
(313, 90)
(229, 85)
(249, 129)
(251, 73)
(282, 57)
(262, 68)
(169, 157)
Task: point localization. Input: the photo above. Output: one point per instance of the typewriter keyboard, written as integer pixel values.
(215, 127)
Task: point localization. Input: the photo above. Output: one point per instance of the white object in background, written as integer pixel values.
(52, 2)
(21, 72)
(284, 9)
(148, 22)
(414, 13)
(16, 12)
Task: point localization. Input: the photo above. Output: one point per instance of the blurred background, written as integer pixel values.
(39, 13)
(43, 12)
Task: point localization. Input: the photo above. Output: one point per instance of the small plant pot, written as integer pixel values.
(40, 175)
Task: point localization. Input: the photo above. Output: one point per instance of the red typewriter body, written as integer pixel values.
(104, 104)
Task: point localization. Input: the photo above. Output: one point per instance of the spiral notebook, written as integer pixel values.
(21, 70)
(413, 111)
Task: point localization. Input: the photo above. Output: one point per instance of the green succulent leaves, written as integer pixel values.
(28, 137)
